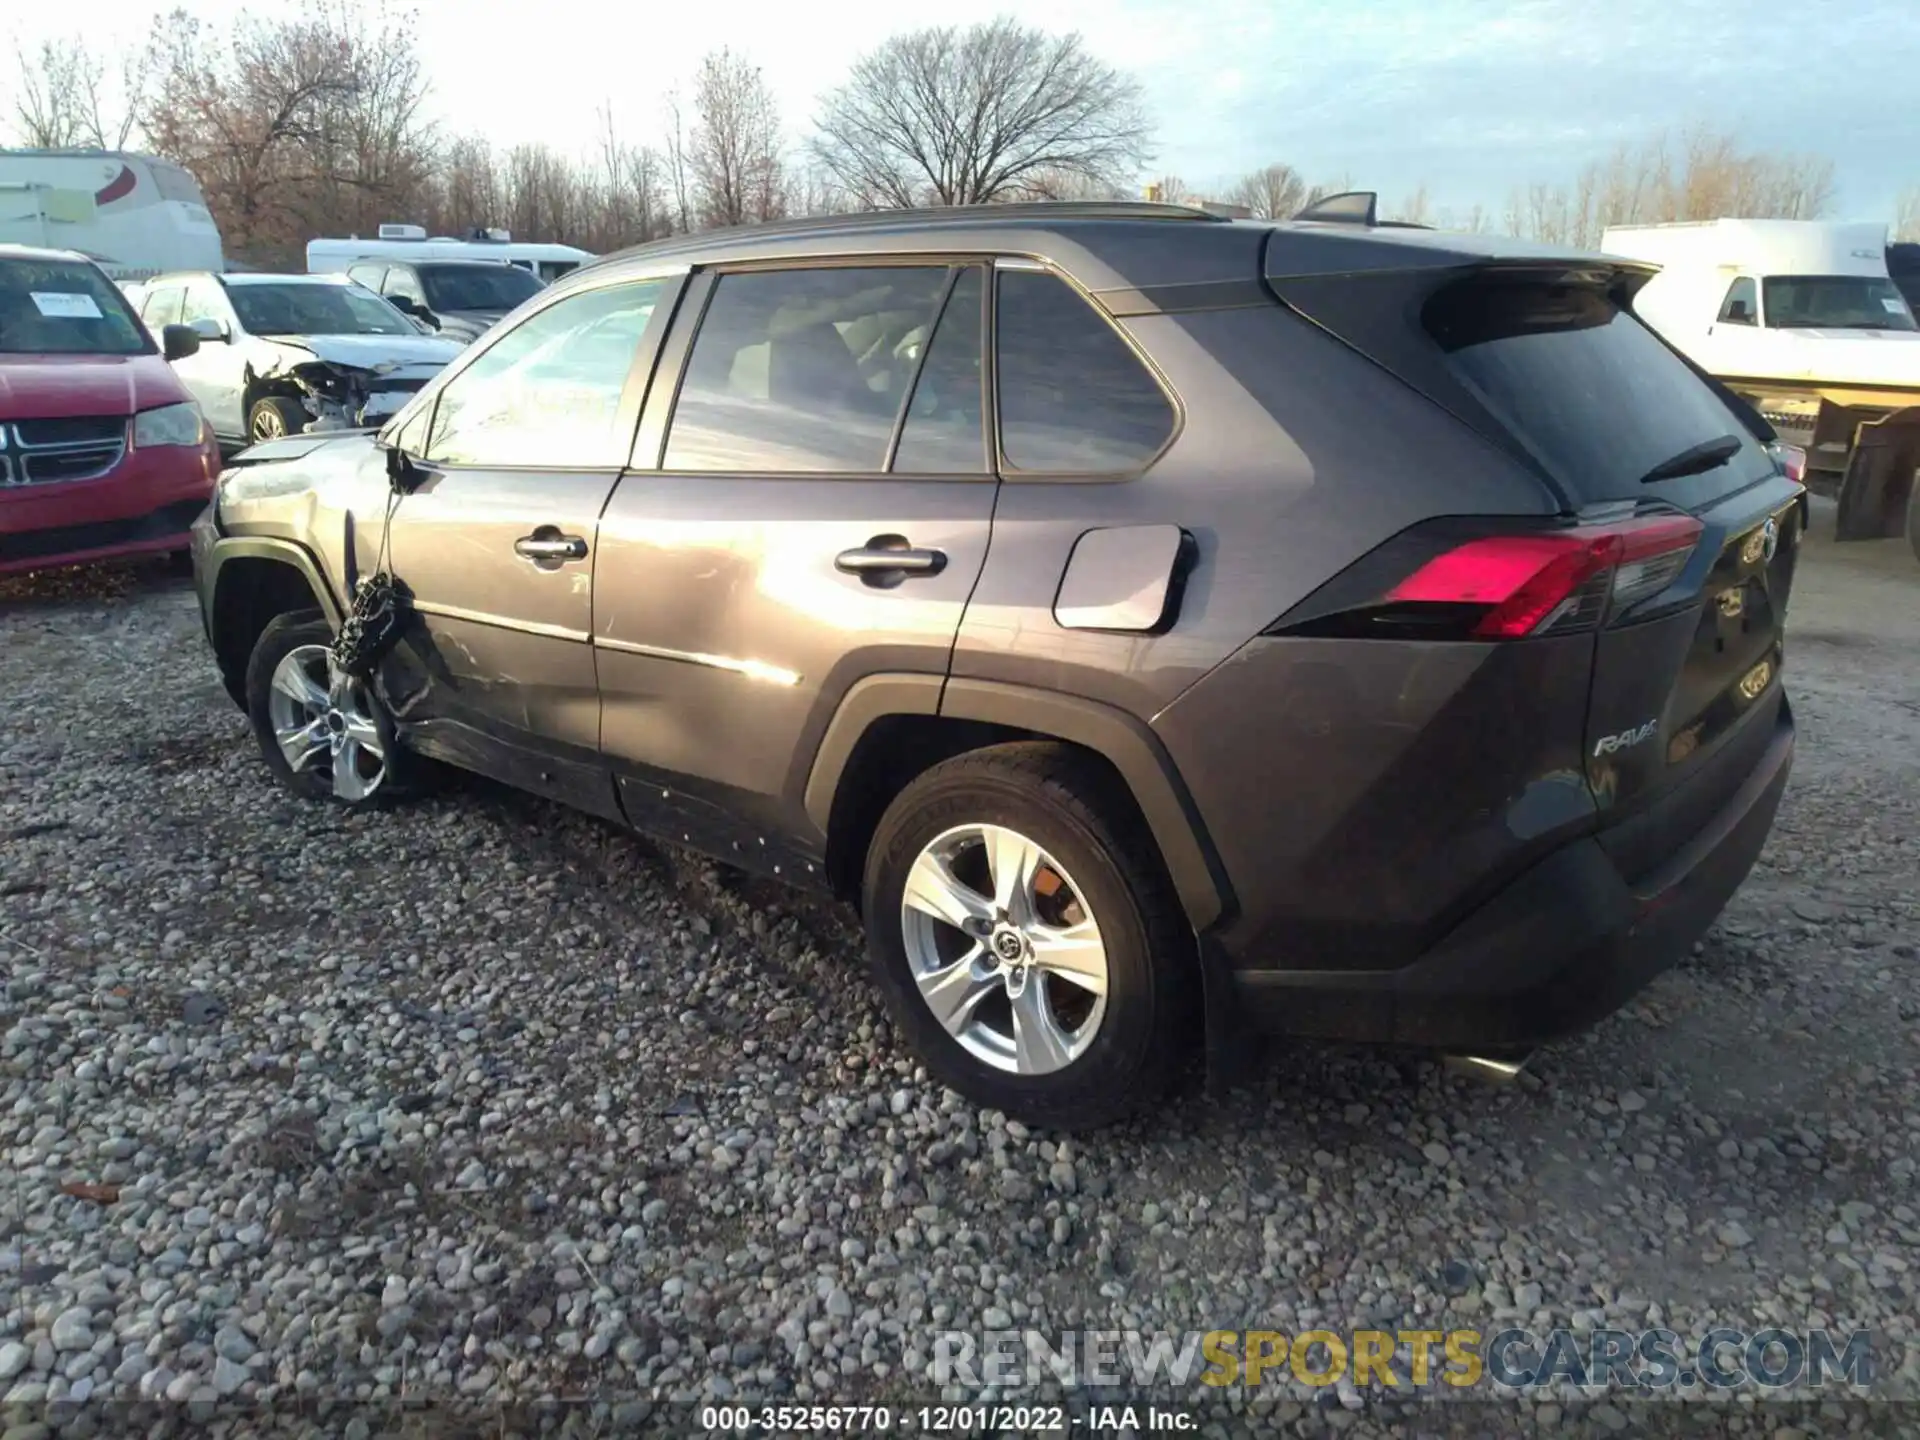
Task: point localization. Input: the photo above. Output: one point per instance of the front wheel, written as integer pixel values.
(1913, 517)
(1026, 938)
(322, 732)
(273, 416)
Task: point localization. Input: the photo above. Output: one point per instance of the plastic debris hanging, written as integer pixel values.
(371, 627)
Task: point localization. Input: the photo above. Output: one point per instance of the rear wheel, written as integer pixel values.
(323, 732)
(1025, 938)
(273, 416)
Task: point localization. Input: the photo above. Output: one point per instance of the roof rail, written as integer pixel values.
(879, 219)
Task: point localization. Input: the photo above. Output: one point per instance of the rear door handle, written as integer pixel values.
(547, 544)
(887, 559)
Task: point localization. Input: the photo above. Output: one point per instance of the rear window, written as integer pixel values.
(1592, 394)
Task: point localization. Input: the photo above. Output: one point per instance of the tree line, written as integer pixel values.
(318, 125)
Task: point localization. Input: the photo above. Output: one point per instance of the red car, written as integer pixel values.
(103, 453)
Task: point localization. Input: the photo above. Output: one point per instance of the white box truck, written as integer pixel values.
(1801, 318)
(136, 215)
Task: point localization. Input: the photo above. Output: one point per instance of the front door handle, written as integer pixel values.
(550, 545)
(889, 559)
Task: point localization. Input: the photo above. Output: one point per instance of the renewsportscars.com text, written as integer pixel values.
(1724, 1359)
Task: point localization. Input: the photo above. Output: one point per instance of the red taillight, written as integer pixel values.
(1791, 460)
(1536, 582)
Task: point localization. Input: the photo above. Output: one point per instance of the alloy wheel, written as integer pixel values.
(1004, 949)
(323, 722)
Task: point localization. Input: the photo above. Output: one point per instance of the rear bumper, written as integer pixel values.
(1563, 946)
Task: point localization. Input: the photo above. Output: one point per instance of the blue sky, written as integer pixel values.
(1469, 97)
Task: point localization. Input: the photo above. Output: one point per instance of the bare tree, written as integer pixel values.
(1416, 209)
(733, 150)
(293, 126)
(1705, 175)
(947, 116)
(1906, 221)
(1066, 185)
(66, 99)
(1273, 192)
(1170, 190)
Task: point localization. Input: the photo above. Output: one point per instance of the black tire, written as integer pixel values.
(1072, 808)
(406, 776)
(1913, 517)
(272, 416)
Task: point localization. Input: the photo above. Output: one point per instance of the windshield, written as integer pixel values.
(476, 287)
(1834, 302)
(315, 310)
(65, 307)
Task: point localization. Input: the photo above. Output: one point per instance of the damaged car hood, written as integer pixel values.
(369, 352)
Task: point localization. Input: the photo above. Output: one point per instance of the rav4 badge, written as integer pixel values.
(1625, 740)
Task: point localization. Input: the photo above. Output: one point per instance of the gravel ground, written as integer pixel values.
(481, 1100)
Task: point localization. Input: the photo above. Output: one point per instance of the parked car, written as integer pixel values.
(281, 352)
(102, 452)
(458, 299)
(1097, 596)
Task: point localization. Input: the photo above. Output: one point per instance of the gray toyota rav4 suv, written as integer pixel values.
(1163, 628)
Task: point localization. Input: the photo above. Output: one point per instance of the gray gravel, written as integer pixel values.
(483, 1100)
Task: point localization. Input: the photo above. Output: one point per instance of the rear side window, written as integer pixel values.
(1591, 393)
(1074, 398)
(802, 371)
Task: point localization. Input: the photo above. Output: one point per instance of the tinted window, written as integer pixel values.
(1742, 304)
(162, 308)
(802, 370)
(547, 393)
(1585, 387)
(315, 308)
(945, 431)
(1074, 397)
(1835, 302)
(477, 287)
(64, 307)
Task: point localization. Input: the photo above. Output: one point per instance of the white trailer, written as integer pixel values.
(136, 215)
(411, 242)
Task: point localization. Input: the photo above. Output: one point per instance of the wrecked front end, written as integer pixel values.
(341, 397)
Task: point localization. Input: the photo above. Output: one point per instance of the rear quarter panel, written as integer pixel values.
(1294, 456)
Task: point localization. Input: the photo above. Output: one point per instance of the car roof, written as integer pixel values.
(40, 252)
(245, 277)
(1107, 245)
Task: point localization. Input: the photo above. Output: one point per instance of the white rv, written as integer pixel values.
(411, 242)
(135, 215)
(1799, 316)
